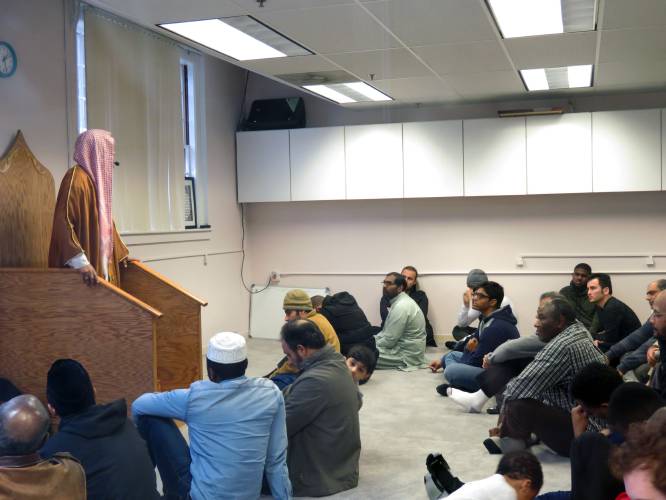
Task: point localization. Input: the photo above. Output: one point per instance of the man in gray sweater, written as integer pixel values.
(322, 414)
(501, 365)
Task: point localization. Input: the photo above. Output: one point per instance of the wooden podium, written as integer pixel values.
(141, 338)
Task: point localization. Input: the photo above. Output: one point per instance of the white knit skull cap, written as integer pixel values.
(227, 348)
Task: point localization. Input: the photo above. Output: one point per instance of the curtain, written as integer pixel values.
(133, 90)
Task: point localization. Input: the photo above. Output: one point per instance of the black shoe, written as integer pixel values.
(451, 344)
(493, 410)
(440, 472)
(492, 447)
(441, 389)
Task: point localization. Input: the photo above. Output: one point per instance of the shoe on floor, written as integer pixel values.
(441, 389)
(493, 410)
(450, 344)
(492, 445)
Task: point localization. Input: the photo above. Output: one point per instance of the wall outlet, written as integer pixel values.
(275, 277)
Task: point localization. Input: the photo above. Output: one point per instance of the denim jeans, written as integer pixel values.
(460, 375)
(284, 379)
(169, 453)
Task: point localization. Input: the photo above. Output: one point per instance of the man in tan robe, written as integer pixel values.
(84, 236)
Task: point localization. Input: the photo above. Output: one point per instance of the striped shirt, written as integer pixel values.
(548, 377)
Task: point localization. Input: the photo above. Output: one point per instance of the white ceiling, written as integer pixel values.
(436, 51)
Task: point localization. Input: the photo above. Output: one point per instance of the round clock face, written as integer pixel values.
(8, 60)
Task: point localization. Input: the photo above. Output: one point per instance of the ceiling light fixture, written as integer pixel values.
(567, 77)
(518, 18)
(240, 37)
(344, 93)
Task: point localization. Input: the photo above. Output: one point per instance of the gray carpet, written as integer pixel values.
(402, 420)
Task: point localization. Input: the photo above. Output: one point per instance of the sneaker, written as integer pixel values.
(450, 344)
(441, 389)
(493, 410)
(492, 445)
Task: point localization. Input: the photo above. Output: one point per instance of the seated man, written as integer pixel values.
(500, 366)
(658, 321)
(467, 314)
(411, 276)
(361, 362)
(631, 351)
(401, 343)
(576, 294)
(497, 325)
(236, 427)
(322, 415)
(616, 319)
(297, 305)
(24, 426)
(538, 400)
(101, 437)
(348, 320)
(518, 477)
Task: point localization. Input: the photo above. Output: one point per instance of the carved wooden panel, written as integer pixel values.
(178, 330)
(27, 200)
(50, 314)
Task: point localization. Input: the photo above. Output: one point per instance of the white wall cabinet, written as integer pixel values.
(317, 163)
(626, 150)
(373, 156)
(559, 154)
(495, 156)
(263, 166)
(433, 159)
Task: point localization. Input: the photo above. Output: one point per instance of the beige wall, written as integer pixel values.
(349, 245)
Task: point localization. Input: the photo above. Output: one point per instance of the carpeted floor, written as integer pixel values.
(402, 420)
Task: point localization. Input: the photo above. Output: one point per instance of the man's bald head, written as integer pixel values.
(24, 424)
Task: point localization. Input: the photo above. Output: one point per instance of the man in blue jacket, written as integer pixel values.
(496, 326)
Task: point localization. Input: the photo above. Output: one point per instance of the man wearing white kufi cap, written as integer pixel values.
(236, 426)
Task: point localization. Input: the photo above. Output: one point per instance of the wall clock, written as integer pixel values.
(8, 60)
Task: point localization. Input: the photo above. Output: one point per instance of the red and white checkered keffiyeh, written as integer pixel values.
(94, 152)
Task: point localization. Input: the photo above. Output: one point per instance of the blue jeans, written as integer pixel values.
(460, 375)
(284, 379)
(169, 453)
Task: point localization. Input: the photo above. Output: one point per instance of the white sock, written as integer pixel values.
(472, 402)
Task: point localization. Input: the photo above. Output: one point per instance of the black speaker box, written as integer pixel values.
(273, 114)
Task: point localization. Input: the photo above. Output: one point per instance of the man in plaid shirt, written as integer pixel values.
(538, 400)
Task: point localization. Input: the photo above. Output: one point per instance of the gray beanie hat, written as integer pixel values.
(475, 277)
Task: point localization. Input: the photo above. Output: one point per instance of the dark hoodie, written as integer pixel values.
(493, 331)
(348, 320)
(577, 297)
(112, 453)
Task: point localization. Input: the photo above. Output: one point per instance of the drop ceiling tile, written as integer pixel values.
(330, 30)
(553, 51)
(384, 64)
(432, 22)
(633, 14)
(284, 65)
(464, 57)
(426, 89)
(151, 12)
(630, 74)
(486, 85)
(643, 44)
(273, 5)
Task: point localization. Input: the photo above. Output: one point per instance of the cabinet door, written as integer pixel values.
(317, 163)
(559, 154)
(262, 167)
(433, 157)
(626, 150)
(495, 156)
(373, 155)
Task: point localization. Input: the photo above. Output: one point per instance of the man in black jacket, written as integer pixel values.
(101, 437)
(576, 294)
(348, 320)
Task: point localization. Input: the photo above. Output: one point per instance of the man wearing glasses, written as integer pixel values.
(658, 321)
(496, 326)
(402, 341)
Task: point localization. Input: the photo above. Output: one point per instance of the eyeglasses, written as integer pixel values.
(388, 283)
(480, 295)
(657, 314)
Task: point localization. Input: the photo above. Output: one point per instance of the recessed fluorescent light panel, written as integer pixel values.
(518, 18)
(344, 93)
(568, 77)
(240, 37)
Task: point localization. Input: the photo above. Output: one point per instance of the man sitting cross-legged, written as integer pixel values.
(500, 366)
(322, 414)
(538, 400)
(236, 427)
(24, 475)
(401, 342)
(497, 325)
(101, 437)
